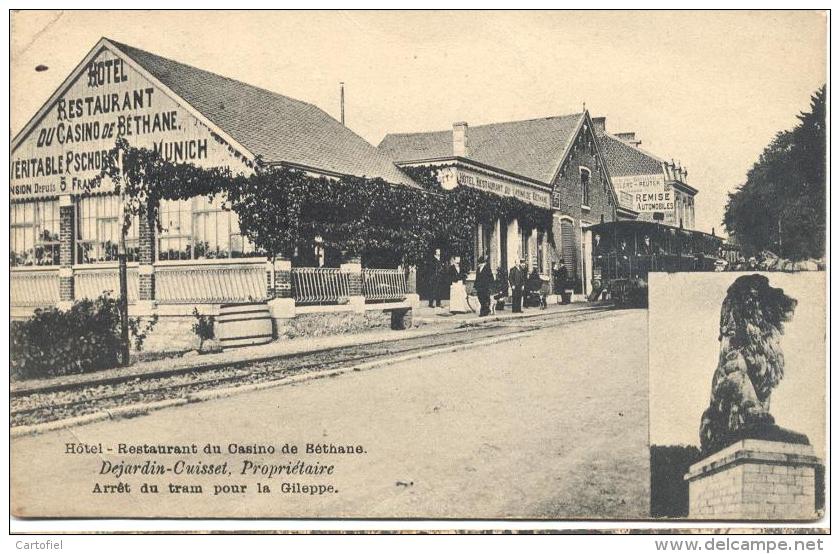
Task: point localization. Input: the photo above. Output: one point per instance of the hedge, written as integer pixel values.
(53, 342)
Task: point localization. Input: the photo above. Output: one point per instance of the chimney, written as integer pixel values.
(459, 139)
(600, 124)
(629, 138)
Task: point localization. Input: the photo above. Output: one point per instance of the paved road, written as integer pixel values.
(552, 425)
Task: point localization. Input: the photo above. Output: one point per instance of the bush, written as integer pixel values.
(84, 338)
(139, 328)
(668, 488)
(203, 327)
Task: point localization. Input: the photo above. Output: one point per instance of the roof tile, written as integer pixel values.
(273, 126)
(625, 159)
(530, 148)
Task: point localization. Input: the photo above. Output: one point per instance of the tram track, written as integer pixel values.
(68, 402)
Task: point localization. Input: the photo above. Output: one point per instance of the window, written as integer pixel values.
(541, 252)
(584, 186)
(524, 240)
(176, 230)
(98, 231)
(34, 233)
(483, 241)
(198, 229)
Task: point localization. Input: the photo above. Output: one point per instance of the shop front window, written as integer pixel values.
(34, 233)
(201, 229)
(541, 252)
(99, 227)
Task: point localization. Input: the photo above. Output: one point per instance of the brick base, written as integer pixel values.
(756, 480)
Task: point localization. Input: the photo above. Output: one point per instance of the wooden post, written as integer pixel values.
(123, 271)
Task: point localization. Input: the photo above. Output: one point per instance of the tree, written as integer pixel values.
(781, 206)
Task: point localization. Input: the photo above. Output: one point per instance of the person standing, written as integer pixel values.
(561, 280)
(518, 276)
(457, 290)
(456, 272)
(534, 286)
(501, 288)
(483, 285)
(435, 270)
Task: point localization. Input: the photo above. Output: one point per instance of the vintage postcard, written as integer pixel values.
(448, 265)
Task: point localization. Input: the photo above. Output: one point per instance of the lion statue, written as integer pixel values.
(750, 366)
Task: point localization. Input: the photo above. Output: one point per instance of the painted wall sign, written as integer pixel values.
(65, 151)
(647, 194)
(503, 188)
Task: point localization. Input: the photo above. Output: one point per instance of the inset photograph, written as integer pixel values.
(737, 395)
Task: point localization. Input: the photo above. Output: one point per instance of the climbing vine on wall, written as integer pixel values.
(462, 208)
(281, 209)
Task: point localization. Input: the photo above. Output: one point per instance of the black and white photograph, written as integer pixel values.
(563, 267)
(737, 396)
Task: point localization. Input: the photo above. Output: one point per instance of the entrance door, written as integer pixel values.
(569, 249)
(586, 258)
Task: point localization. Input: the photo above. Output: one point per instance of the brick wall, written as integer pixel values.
(755, 491)
(755, 482)
(146, 254)
(567, 196)
(146, 238)
(67, 236)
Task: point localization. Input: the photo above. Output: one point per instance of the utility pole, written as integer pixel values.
(121, 255)
(342, 102)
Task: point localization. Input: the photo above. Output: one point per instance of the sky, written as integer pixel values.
(707, 89)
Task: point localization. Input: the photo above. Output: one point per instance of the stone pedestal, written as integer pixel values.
(282, 308)
(754, 479)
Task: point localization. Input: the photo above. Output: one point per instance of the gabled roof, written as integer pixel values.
(533, 148)
(626, 159)
(277, 128)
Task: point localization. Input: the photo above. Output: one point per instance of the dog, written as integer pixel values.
(496, 301)
(751, 363)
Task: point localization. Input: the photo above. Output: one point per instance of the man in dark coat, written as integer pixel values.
(436, 278)
(599, 254)
(501, 288)
(622, 255)
(518, 276)
(483, 285)
(535, 295)
(561, 280)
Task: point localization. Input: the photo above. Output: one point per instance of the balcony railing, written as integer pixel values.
(34, 287)
(384, 284)
(205, 282)
(320, 285)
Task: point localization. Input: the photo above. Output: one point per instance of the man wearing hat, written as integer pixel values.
(518, 276)
(483, 285)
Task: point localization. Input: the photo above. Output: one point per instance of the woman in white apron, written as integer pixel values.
(457, 290)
